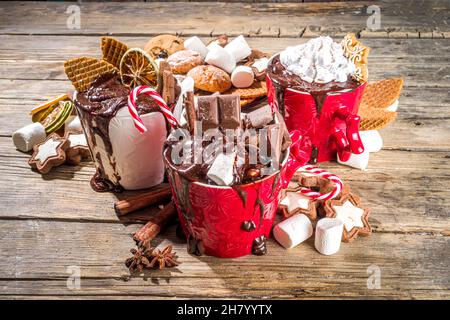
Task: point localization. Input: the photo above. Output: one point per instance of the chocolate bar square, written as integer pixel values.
(229, 111)
(208, 112)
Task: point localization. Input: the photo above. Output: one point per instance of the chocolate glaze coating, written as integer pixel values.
(96, 107)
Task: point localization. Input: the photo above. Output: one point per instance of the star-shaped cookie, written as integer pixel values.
(293, 202)
(49, 154)
(78, 148)
(348, 209)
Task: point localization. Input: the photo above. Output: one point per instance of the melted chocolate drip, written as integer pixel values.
(259, 247)
(282, 79)
(248, 226)
(241, 193)
(95, 107)
(195, 246)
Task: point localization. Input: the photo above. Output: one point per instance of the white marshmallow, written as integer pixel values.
(358, 161)
(371, 140)
(25, 138)
(221, 170)
(219, 57)
(393, 107)
(239, 48)
(195, 44)
(328, 235)
(261, 64)
(293, 231)
(73, 124)
(242, 77)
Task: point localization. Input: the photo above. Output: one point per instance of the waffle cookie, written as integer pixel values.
(377, 97)
(113, 50)
(256, 90)
(83, 71)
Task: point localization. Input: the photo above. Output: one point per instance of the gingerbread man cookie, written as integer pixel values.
(348, 209)
(49, 154)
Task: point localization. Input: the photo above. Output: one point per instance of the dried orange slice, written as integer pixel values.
(138, 68)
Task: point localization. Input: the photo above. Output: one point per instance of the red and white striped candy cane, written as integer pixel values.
(158, 99)
(325, 174)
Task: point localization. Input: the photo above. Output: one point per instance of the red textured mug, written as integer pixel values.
(229, 222)
(334, 131)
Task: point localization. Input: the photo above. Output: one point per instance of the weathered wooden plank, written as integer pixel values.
(416, 263)
(260, 19)
(386, 188)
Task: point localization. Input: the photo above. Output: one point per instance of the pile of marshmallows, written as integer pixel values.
(226, 58)
(320, 60)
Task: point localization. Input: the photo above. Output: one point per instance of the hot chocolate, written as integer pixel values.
(103, 112)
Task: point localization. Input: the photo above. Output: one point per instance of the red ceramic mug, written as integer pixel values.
(230, 222)
(334, 131)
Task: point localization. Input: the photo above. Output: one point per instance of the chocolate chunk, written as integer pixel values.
(229, 111)
(286, 136)
(248, 226)
(313, 158)
(275, 141)
(259, 247)
(208, 112)
(260, 116)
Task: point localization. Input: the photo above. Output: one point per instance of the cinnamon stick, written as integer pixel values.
(152, 228)
(168, 92)
(154, 197)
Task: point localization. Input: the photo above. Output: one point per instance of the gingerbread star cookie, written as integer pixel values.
(78, 148)
(293, 202)
(348, 209)
(357, 53)
(49, 154)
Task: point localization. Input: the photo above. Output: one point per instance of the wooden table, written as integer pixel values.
(50, 223)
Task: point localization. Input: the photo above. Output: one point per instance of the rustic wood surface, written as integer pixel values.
(49, 223)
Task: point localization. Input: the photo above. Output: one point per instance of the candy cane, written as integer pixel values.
(325, 174)
(158, 99)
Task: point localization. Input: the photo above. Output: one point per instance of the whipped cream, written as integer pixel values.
(320, 60)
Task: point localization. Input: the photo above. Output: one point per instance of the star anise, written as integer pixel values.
(141, 257)
(164, 258)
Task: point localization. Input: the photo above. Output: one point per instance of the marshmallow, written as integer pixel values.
(219, 57)
(242, 77)
(221, 170)
(328, 235)
(73, 124)
(195, 44)
(393, 107)
(25, 138)
(358, 161)
(371, 140)
(293, 231)
(239, 48)
(260, 64)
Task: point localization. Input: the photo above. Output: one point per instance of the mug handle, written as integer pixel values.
(299, 155)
